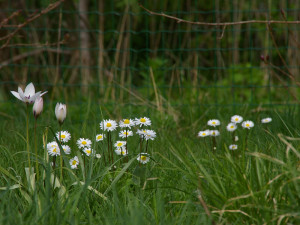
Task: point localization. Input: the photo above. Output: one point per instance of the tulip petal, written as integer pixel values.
(22, 96)
(16, 94)
(29, 90)
(43, 93)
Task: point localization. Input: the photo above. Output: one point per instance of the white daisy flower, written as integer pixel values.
(247, 124)
(233, 147)
(142, 133)
(64, 135)
(84, 143)
(231, 127)
(108, 125)
(213, 123)
(98, 156)
(54, 151)
(120, 144)
(266, 120)
(143, 158)
(52, 144)
(236, 138)
(121, 151)
(67, 149)
(150, 135)
(74, 162)
(126, 123)
(236, 119)
(214, 133)
(204, 133)
(88, 151)
(125, 133)
(143, 121)
(100, 137)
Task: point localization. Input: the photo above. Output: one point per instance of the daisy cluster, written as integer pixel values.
(232, 126)
(53, 147)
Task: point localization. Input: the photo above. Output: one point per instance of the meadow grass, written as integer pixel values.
(184, 183)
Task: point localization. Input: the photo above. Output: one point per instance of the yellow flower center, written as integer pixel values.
(231, 127)
(143, 158)
(123, 152)
(63, 136)
(119, 144)
(143, 120)
(88, 151)
(126, 121)
(236, 119)
(54, 150)
(213, 133)
(144, 131)
(83, 142)
(125, 133)
(203, 134)
(214, 122)
(247, 125)
(99, 137)
(108, 124)
(74, 162)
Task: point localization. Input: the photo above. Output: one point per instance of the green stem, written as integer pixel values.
(36, 152)
(126, 145)
(27, 136)
(61, 157)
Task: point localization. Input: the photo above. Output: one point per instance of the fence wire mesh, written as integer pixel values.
(116, 52)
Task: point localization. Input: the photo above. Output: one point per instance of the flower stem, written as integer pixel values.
(36, 152)
(126, 145)
(61, 159)
(108, 149)
(103, 153)
(147, 146)
(27, 136)
(111, 150)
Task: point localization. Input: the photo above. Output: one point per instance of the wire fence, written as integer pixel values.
(114, 51)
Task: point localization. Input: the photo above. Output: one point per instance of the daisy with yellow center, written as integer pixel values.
(121, 151)
(247, 124)
(99, 137)
(233, 147)
(213, 123)
(88, 151)
(144, 121)
(67, 149)
(120, 144)
(108, 125)
(53, 151)
(127, 123)
(84, 143)
(74, 162)
(266, 120)
(143, 158)
(231, 127)
(214, 133)
(204, 133)
(236, 119)
(65, 136)
(124, 133)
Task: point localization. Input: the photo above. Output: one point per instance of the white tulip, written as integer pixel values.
(38, 107)
(60, 112)
(29, 95)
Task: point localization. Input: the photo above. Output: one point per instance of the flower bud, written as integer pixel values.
(60, 112)
(38, 107)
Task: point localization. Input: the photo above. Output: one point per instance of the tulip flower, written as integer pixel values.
(60, 112)
(29, 95)
(38, 107)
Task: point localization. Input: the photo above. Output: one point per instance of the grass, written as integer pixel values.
(184, 183)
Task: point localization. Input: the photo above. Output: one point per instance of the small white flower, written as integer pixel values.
(214, 133)
(98, 156)
(126, 123)
(236, 119)
(108, 125)
(60, 112)
(84, 143)
(231, 127)
(266, 120)
(29, 95)
(142, 133)
(88, 151)
(52, 144)
(64, 135)
(143, 121)
(247, 124)
(67, 149)
(150, 135)
(204, 133)
(233, 147)
(121, 151)
(54, 151)
(74, 162)
(100, 137)
(120, 144)
(213, 123)
(125, 133)
(38, 106)
(143, 158)
(236, 138)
